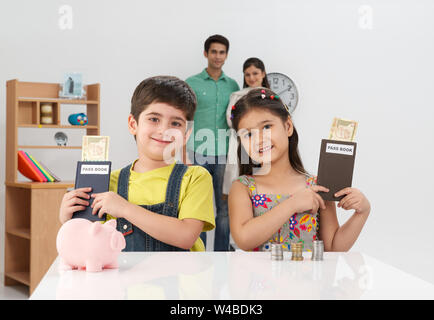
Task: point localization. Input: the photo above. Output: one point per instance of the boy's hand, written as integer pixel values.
(354, 199)
(73, 201)
(109, 202)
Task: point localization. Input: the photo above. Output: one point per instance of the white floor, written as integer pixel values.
(13, 292)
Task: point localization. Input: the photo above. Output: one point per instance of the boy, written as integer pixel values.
(160, 205)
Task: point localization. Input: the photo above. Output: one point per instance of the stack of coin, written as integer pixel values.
(276, 251)
(317, 250)
(297, 251)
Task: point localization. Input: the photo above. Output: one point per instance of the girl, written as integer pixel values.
(275, 199)
(254, 77)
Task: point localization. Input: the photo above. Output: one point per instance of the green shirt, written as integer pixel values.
(210, 135)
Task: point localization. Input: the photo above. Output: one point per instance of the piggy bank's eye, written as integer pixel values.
(79, 118)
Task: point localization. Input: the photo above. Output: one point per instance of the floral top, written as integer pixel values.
(301, 227)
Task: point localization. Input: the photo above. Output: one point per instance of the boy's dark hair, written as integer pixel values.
(164, 89)
(216, 38)
(253, 99)
(257, 63)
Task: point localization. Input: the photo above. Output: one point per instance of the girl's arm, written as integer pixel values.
(248, 231)
(342, 238)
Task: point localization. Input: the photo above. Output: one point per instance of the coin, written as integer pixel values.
(276, 251)
(317, 250)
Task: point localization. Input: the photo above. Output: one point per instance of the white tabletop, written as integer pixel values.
(235, 275)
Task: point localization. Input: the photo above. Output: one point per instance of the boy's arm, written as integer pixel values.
(180, 233)
(173, 231)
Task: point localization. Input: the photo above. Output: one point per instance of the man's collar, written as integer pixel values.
(204, 75)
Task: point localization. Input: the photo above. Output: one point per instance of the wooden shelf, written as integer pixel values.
(48, 147)
(20, 232)
(20, 276)
(40, 185)
(55, 126)
(32, 208)
(58, 100)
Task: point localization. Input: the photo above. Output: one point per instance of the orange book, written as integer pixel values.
(28, 168)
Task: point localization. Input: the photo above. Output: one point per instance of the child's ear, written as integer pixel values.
(289, 127)
(132, 124)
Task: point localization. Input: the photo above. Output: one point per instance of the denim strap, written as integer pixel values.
(173, 190)
(137, 239)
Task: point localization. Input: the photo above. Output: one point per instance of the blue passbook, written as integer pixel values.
(94, 174)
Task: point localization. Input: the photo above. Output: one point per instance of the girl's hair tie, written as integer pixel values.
(232, 111)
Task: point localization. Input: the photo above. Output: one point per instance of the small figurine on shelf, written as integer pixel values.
(61, 138)
(72, 87)
(46, 113)
(79, 119)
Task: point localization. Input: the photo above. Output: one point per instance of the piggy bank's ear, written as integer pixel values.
(117, 241)
(95, 228)
(111, 223)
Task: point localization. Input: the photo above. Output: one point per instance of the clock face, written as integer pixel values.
(285, 88)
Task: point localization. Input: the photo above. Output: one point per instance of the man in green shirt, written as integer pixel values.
(208, 145)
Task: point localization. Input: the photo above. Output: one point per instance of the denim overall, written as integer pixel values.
(135, 238)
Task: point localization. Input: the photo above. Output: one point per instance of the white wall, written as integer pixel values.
(381, 77)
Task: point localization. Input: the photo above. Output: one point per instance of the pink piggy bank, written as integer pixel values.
(91, 245)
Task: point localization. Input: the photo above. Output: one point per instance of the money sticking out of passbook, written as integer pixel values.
(343, 129)
(95, 148)
(93, 171)
(336, 160)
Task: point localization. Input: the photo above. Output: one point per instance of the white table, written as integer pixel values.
(235, 275)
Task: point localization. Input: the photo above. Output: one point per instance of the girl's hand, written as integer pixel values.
(354, 199)
(73, 201)
(109, 202)
(308, 199)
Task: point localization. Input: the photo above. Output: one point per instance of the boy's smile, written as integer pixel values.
(160, 131)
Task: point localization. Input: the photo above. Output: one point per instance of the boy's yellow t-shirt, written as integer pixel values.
(195, 199)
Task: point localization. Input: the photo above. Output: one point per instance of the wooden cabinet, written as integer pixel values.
(32, 208)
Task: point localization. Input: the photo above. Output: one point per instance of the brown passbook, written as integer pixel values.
(335, 168)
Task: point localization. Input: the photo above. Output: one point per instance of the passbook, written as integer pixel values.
(94, 174)
(335, 168)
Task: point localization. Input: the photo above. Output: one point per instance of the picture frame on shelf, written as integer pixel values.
(72, 86)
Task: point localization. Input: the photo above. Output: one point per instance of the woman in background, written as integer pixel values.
(254, 77)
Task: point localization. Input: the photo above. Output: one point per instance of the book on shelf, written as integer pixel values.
(46, 175)
(33, 169)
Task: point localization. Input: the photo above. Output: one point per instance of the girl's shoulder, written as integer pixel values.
(311, 180)
(248, 181)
